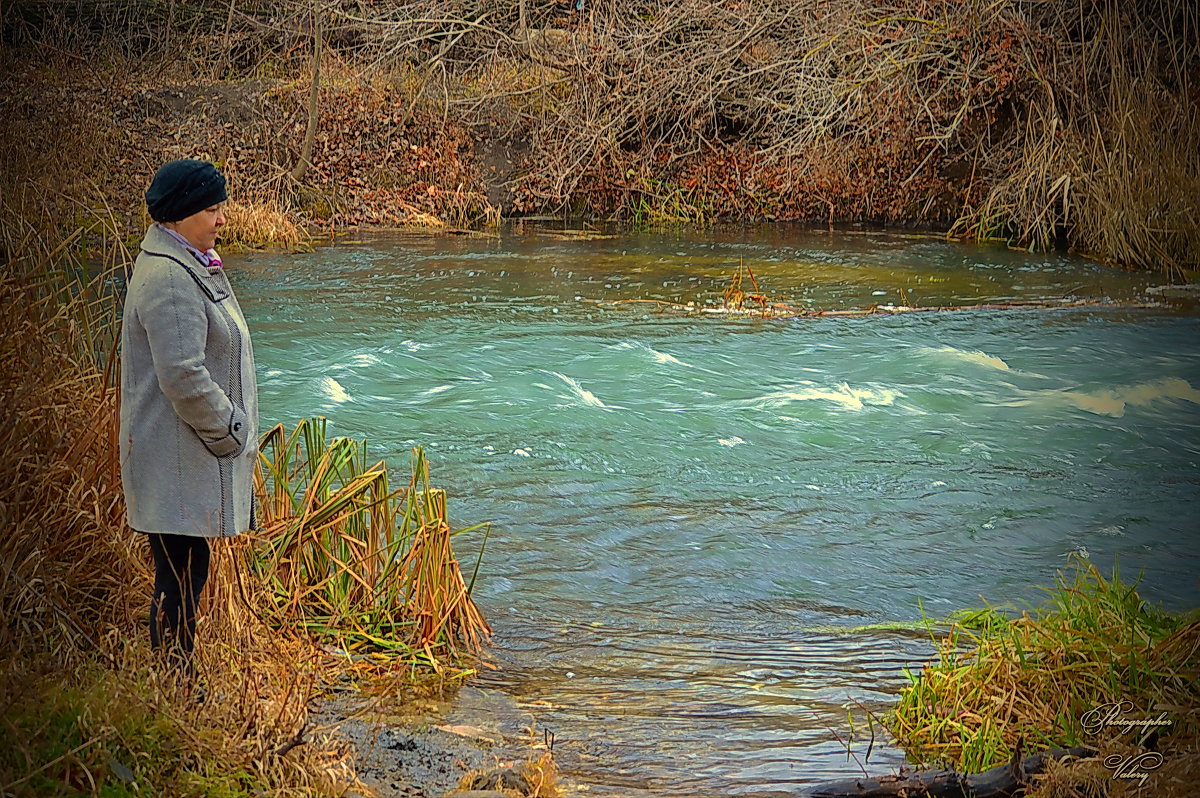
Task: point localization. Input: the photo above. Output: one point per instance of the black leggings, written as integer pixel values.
(180, 571)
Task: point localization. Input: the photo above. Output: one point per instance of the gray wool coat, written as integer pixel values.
(189, 400)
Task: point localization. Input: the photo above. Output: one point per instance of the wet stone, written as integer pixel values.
(513, 778)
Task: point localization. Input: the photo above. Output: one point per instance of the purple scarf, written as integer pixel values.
(209, 259)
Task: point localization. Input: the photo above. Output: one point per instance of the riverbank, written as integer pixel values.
(88, 123)
(1053, 127)
(781, 674)
(299, 607)
(434, 746)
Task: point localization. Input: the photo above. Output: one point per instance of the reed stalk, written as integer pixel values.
(352, 560)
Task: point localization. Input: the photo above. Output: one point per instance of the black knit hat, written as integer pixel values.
(181, 188)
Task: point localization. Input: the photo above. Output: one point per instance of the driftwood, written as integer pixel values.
(1003, 781)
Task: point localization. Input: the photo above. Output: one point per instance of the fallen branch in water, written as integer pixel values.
(780, 310)
(1002, 781)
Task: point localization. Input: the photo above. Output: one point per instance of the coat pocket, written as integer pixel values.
(234, 442)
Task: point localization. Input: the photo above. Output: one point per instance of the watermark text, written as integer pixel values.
(1113, 715)
(1135, 767)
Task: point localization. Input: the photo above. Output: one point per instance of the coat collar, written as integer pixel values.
(157, 242)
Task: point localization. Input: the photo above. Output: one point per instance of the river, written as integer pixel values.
(694, 517)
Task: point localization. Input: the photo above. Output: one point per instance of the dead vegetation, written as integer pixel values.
(1040, 123)
(85, 706)
(84, 703)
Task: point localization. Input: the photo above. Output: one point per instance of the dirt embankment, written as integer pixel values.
(1045, 124)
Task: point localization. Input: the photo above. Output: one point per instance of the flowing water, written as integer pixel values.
(695, 516)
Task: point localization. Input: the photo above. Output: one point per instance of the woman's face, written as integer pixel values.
(201, 228)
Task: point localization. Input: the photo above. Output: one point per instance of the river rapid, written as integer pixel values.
(697, 520)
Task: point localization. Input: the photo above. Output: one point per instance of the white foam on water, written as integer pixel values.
(663, 357)
(1115, 402)
(1110, 402)
(730, 442)
(415, 346)
(970, 355)
(658, 357)
(842, 394)
(364, 359)
(435, 390)
(272, 373)
(583, 395)
(333, 390)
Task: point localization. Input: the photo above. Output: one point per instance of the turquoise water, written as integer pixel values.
(689, 512)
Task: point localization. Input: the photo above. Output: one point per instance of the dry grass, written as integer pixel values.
(253, 225)
(1177, 777)
(435, 593)
(353, 561)
(1106, 154)
(1139, 204)
(81, 688)
(63, 575)
(533, 778)
(1039, 123)
(85, 703)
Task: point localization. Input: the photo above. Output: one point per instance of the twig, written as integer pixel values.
(297, 739)
(842, 742)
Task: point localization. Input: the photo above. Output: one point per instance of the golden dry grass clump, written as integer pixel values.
(353, 561)
(534, 778)
(254, 225)
(1176, 777)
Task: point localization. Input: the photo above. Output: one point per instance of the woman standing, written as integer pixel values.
(189, 400)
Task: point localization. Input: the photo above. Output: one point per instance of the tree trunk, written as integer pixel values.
(310, 132)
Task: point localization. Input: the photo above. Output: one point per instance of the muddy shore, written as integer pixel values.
(425, 748)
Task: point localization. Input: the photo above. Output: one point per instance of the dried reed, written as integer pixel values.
(434, 590)
(353, 561)
(254, 225)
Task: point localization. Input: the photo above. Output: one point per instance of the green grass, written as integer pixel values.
(109, 734)
(996, 679)
(663, 205)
